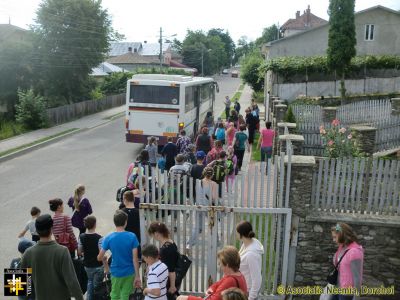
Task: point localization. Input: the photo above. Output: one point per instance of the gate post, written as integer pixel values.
(212, 246)
(300, 191)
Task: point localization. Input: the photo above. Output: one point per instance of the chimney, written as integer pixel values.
(145, 42)
(129, 49)
(297, 14)
(308, 16)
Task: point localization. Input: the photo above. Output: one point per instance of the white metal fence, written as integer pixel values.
(357, 185)
(257, 196)
(375, 113)
(364, 112)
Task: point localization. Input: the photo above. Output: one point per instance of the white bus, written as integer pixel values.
(161, 105)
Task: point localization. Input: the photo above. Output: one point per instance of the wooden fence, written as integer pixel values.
(308, 113)
(70, 112)
(357, 185)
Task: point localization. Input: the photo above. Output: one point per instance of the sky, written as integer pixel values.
(140, 20)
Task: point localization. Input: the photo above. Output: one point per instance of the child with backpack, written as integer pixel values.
(220, 133)
(231, 166)
(220, 171)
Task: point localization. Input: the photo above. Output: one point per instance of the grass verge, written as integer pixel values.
(9, 129)
(241, 87)
(36, 142)
(255, 152)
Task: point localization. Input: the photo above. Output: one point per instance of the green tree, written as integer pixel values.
(342, 38)
(73, 37)
(269, 34)
(15, 70)
(31, 110)
(250, 70)
(229, 46)
(197, 45)
(243, 49)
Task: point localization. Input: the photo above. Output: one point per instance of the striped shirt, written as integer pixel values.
(157, 277)
(61, 224)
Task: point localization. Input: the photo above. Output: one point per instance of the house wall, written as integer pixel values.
(315, 42)
(290, 91)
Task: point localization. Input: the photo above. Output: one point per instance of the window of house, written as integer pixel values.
(369, 32)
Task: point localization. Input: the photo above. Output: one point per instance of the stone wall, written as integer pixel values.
(313, 245)
(379, 237)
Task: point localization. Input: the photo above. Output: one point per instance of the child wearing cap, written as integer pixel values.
(35, 212)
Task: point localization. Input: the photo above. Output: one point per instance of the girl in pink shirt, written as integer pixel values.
(265, 142)
(352, 254)
(230, 133)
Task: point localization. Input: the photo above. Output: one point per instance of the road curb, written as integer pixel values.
(51, 141)
(39, 145)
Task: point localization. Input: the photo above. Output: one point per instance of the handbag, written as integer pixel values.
(137, 294)
(332, 277)
(103, 290)
(182, 266)
(64, 237)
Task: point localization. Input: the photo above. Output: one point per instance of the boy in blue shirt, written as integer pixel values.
(125, 264)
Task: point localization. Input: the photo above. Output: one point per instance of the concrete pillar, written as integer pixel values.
(395, 106)
(365, 138)
(297, 143)
(290, 126)
(328, 114)
(275, 103)
(280, 112)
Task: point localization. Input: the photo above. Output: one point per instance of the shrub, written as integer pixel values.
(289, 116)
(258, 96)
(31, 110)
(338, 141)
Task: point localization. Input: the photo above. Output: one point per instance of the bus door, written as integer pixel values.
(197, 103)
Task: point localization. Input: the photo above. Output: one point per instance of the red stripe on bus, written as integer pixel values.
(173, 110)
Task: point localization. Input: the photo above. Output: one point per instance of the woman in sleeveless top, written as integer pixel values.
(207, 193)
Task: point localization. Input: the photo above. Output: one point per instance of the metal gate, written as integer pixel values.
(256, 196)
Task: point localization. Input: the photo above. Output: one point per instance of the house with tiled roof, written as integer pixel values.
(301, 23)
(133, 60)
(377, 32)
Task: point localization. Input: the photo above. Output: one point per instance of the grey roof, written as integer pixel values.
(105, 68)
(154, 48)
(133, 58)
(120, 48)
(327, 24)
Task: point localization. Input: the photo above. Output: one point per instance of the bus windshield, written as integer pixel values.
(153, 94)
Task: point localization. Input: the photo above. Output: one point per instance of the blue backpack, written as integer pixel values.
(220, 134)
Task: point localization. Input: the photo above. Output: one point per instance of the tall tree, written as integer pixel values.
(269, 34)
(229, 45)
(250, 72)
(73, 37)
(16, 60)
(342, 38)
(200, 50)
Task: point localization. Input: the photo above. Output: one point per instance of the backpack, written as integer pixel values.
(230, 166)
(220, 134)
(219, 171)
(135, 173)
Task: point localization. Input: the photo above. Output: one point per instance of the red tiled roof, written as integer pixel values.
(306, 21)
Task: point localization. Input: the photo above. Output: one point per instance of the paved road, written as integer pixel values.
(97, 158)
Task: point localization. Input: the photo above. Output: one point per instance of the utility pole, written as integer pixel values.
(161, 48)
